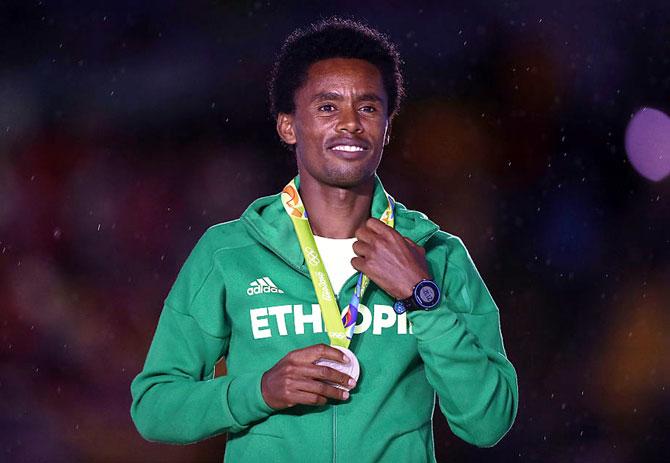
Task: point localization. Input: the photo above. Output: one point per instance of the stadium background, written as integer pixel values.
(127, 128)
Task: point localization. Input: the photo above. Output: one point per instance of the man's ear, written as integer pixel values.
(285, 128)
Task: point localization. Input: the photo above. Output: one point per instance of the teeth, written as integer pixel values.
(347, 148)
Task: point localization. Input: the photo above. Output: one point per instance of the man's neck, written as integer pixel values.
(336, 212)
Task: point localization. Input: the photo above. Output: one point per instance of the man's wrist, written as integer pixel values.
(425, 295)
(408, 291)
(245, 399)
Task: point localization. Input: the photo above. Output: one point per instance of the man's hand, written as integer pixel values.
(393, 262)
(296, 380)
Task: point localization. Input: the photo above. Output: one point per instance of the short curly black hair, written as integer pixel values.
(334, 37)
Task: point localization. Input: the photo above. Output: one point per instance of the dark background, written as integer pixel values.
(127, 128)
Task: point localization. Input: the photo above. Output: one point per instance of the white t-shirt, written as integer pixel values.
(336, 255)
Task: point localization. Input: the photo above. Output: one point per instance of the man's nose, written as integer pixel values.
(349, 121)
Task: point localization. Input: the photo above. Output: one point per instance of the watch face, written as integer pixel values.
(427, 294)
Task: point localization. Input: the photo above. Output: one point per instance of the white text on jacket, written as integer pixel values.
(291, 319)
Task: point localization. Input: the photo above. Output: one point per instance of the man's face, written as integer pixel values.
(340, 123)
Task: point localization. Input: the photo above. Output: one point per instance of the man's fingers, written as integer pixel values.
(296, 379)
(321, 351)
(375, 229)
(377, 225)
(326, 373)
(308, 398)
(359, 264)
(365, 234)
(361, 248)
(322, 389)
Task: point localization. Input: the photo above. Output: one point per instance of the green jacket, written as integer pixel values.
(215, 310)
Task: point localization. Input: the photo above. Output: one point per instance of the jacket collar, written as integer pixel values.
(268, 223)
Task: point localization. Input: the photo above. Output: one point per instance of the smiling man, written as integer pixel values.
(341, 314)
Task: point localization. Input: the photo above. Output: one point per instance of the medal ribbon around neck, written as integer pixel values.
(340, 330)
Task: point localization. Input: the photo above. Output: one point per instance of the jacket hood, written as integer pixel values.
(267, 222)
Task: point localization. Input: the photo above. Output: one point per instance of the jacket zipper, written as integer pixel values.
(334, 434)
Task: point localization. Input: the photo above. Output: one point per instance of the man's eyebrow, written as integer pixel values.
(323, 96)
(370, 97)
(327, 96)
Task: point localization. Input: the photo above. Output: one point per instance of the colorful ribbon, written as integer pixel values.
(340, 329)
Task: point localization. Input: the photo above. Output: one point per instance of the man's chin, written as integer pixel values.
(348, 178)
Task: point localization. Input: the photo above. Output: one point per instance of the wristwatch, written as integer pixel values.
(425, 296)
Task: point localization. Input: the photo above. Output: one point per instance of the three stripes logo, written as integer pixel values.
(263, 285)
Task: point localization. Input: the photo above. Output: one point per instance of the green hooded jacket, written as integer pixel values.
(245, 294)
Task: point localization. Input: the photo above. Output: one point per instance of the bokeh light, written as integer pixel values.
(648, 143)
(128, 128)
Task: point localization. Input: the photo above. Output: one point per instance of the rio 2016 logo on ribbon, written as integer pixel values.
(311, 256)
(323, 284)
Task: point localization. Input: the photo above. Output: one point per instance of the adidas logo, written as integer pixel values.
(263, 285)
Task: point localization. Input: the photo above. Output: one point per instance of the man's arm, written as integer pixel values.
(175, 397)
(459, 340)
(461, 345)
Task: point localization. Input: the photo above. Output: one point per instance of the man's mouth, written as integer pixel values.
(348, 148)
(349, 145)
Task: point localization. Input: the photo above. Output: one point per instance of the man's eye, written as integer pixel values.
(326, 108)
(369, 109)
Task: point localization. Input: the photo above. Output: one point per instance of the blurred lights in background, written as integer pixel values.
(648, 143)
(127, 128)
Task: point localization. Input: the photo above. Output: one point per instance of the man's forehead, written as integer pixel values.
(342, 75)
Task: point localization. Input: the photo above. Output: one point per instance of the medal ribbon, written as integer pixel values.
(340, 330)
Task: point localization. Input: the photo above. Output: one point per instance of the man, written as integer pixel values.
(249, 290)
